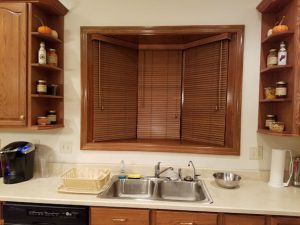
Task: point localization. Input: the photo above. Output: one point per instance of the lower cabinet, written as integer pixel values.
(115, 216)
(234, 219)
(183, 218)
(279, 220)
(125, 216)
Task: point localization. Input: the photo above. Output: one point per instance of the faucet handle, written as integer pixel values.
(179, 173)
(157, 169)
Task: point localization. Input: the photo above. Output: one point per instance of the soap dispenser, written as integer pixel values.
(122, 174)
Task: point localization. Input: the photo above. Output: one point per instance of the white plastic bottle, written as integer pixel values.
(282, 55)
(42, 56)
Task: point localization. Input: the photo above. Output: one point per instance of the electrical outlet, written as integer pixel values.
(65, 147)
(256, 153)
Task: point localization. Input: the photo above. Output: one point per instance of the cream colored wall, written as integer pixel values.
(154, 13)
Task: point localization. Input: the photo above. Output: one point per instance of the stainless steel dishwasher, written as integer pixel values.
(44, 214)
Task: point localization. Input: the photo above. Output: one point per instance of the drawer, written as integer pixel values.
(119, 216)
(243, 220)
(183, 218)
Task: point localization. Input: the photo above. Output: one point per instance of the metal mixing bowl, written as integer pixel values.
(227, 180)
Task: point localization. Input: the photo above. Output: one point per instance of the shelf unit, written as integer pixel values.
(287, 109)
(40, 104)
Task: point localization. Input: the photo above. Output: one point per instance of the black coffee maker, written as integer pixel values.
(17, 160)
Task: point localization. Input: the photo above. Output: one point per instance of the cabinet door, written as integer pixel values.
(244, 220)
(116, 216)
(13, 55)
(285, 220)
(183, 218)
(1, 222)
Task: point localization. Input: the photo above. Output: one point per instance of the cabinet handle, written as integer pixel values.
(186, 223)
(22, 117)
(119, 219)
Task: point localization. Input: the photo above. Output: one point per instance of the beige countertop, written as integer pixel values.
(253, 197)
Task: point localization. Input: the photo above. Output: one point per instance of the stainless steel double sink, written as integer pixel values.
(152, 188)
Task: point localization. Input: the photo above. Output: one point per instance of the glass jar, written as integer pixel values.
(281, 89)
(272, 59)
(269, 119)
(52, 57)
(270, 93)
(41, 87)
(51, 116)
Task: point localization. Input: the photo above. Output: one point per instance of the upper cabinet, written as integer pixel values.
(31, 92)
(174, 89)
(13, 64)
(279, 97)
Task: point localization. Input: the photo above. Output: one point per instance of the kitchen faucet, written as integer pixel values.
(157, 171)
(192, 164)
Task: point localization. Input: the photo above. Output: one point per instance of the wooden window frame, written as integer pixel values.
(234, 93)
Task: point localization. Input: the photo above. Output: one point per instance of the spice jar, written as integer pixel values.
(51, 116)
(270, 93)
(281, 89)
(272, 58)
(52, 57)
(270, 119)
(41, 87)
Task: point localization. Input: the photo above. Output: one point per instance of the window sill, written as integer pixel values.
(149, 145)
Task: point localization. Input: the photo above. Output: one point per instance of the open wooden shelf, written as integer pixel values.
(277, 37)
(47, 96)
(46, 67)
(272, 6)
(47, 127)
(268, 132)
(275, 69)
(46, 37)
(276, 100)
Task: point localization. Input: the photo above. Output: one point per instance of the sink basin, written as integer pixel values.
(131, 188)
(181, 190)
(156, 189)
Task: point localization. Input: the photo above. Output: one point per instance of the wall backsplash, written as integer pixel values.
(155, 13)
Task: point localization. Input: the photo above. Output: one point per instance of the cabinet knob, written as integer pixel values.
(186, 223)
(119, 219)
(22, 117)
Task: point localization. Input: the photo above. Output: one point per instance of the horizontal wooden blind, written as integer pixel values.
(159, 92)
(114, 91)
(205, 93)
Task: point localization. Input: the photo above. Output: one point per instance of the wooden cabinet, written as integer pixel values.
(277, 220)
(13, 36)
(107, 216)
(233, 219)
(113, 216)
(285, 109)
(20, 105)
(183, 218)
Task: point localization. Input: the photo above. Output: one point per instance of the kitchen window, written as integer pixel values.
(174, 89)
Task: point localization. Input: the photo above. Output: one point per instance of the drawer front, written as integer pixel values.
(183, 218)
(244, 220)
(119, 216)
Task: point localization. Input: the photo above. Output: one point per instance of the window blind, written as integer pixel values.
(159, 94)
(114, 91)
(205, 93)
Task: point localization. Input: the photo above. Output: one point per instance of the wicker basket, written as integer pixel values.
(89, 179)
